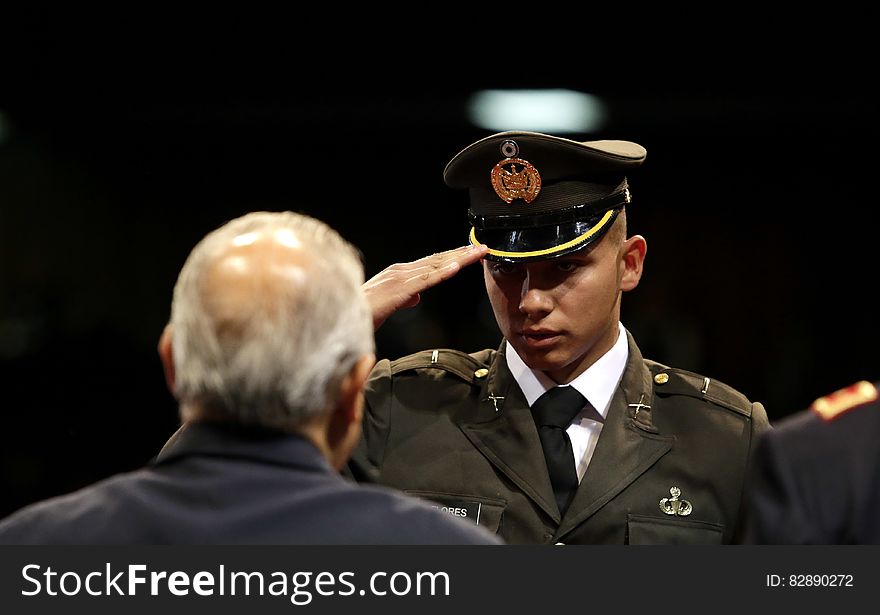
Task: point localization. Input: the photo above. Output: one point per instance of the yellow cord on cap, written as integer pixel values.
(559, 248)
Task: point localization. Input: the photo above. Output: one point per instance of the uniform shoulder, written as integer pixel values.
(470, 367)
(836, 426)
(843, 401)
(675, 381)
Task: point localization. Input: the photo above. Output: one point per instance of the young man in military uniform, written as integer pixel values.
(565, 433)
(814, 477)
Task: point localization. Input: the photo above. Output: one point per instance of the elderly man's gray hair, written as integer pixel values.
(277, 356)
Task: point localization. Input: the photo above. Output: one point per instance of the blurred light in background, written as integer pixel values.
(553, 111)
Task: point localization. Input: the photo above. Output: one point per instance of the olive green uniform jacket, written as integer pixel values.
(456, 429)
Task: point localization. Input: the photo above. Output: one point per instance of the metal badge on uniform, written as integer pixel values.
(511, 183)
(674, 506)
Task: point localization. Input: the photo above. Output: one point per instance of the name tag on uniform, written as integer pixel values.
(465, 510)
(483, 511)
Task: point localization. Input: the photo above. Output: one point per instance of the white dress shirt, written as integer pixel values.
(597, 384)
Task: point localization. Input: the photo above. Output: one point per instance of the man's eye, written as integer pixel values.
(566, 266)
(503, 268)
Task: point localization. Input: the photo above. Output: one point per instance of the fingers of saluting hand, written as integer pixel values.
(426, 272)
(418, 275)
(399, 285)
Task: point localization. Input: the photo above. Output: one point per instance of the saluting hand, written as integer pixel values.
(399, 285)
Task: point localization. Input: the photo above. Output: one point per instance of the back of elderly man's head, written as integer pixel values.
(268, 318)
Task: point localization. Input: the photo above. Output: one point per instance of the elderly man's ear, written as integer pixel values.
(344, 423)
(352, 388)
(167, 357)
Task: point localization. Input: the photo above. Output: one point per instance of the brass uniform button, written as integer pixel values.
(661, 378)
(481, 373)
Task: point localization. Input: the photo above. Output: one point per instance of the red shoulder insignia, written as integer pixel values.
(833, 405)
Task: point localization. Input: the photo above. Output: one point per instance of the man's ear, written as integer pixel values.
(350, 401)
(632, 259)
(344, 425)
(167, 358)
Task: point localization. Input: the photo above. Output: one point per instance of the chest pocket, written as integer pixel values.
(646, 530)
(485, 512)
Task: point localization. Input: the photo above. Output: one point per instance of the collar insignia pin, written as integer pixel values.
(494, 399)
(639, 405)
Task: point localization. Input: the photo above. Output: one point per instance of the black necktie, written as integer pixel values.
(553, 413)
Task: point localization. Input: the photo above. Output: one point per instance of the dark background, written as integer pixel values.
(756, 198)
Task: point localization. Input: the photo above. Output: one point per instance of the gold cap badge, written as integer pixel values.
(511, 182)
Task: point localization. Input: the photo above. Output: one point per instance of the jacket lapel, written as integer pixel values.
(628, 445)
(504, 431)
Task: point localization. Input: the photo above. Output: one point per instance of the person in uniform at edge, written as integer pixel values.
(565, 433)
(814, 478)
(268, 422)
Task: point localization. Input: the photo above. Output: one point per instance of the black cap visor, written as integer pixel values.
(543, 242)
